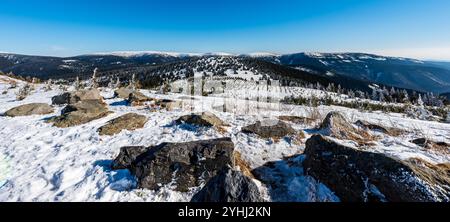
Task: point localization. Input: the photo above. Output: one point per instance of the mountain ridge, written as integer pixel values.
(391, 71)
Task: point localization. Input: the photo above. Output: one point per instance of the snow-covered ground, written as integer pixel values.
(39, 162)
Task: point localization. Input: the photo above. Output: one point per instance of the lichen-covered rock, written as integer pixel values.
(76, 96)
(229, 186)
(138, 99)
(335, 125)
(205, 119)
(123, 92)
(270, 129)
(129, 121)
(30, 109)
(169, 104)
(184, 165)
(79, 113)
(359, 176)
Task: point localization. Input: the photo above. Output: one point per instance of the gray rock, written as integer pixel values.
(30, 109)
(129, 121)
(185, 165)
(76, 96)
(205, 119)
(229, 186)
(79, 113)
(359, 176)
(138, 99)
(335, 125)
(270, 129)
(123, 92)
(169, 104)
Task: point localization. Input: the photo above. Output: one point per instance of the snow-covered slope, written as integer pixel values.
(39, 162)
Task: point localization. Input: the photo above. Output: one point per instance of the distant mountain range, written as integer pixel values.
(356, 70)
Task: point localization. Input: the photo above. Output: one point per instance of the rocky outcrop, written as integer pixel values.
(30, 109)
(356, 175)
(440, 147)
(229, 186)
(184, 165)
(205, 119)
(383, 129)
(79, 113)
(138, 99)
(129, 121)
(335, 125)
(123, 92)
(76, 96)
(270, 129)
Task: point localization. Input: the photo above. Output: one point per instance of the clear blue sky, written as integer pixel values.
(415, 28)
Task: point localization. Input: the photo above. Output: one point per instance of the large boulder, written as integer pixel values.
(129, 121)
(123, 92)
(204, 119)
(229, 186)
(275, 129)
(169, 104)
(30, 109)
(359, 176)
(335, 125)
(184, 165)
(138, 99)
(76, 96)
(79, 113)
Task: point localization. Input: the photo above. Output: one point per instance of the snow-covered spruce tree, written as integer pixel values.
(419, 111)
(374, 94)
(24, 91)
(117, 84)
(110, 83)
(132, 84)
(94, 79)
(381, 96)
(13, 85)
(48, 85)
(77, 83)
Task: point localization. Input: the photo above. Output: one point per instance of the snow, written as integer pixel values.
(39, 162)
(262, 54)
(142, 53)
(245, 74)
